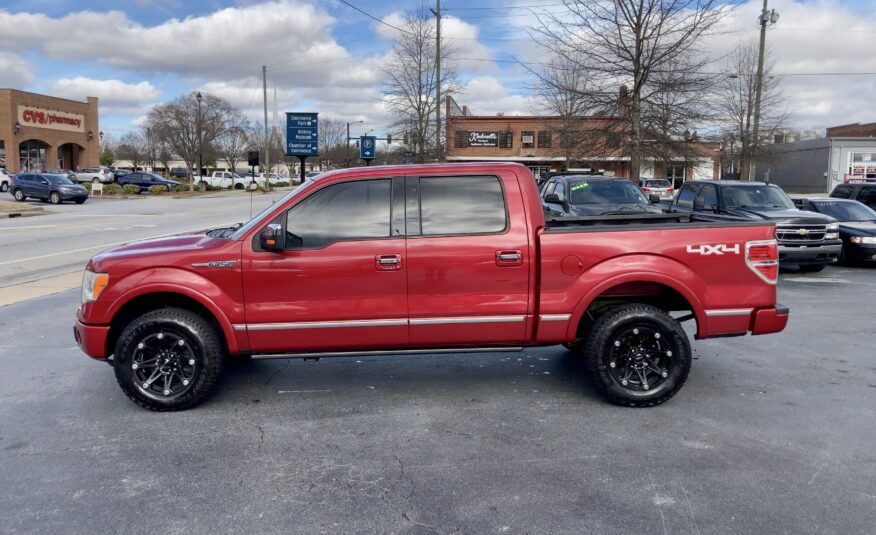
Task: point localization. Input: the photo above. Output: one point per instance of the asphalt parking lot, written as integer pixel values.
(771, 434)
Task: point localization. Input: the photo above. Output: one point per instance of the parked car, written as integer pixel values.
(857, 226)
(806, 239)
(311, 175)
(348, 266)
(119, 173)
(95, 174)
(658, 186)
(5, 179)
(47, 187)
(864, 192)
(71, 176)
(179, 172)
(594, 195)
(223, 179)
(145, 180)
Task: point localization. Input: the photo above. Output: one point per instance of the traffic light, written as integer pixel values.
(357, 143)
(388, 139)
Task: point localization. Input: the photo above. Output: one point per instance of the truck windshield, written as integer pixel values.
(605, 192)
(845, 211)
(761, 197)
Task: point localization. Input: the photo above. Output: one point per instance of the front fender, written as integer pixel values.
(226, 308)
(638, 268)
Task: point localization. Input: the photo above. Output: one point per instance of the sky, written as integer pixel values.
(323, 56)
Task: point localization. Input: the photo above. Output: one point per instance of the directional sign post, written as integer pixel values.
(367, 148)
(302, 136)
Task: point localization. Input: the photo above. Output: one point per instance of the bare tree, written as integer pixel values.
(332, 140)
(735, 101)
(411, 82)
(256, 136)
(177, 124)
(233, 144)
(630, 42)
(132, 147)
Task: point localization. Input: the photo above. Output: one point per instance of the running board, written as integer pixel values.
(268, 356)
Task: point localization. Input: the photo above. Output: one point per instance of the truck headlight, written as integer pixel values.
(867, 240)
(93, 284)
(833, 226)
(831, 236)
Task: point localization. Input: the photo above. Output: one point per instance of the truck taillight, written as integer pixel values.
(762, 257)
(646, 190)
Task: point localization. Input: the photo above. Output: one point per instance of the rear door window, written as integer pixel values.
(462, 205)
(867, 195)
(686, 196)
(709, 195)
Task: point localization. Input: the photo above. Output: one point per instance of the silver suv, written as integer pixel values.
(5, 179)
(95, 174)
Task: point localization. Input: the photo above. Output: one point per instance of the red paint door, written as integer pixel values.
(468, 261)
(340, 282)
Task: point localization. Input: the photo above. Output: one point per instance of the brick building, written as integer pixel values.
(39, 132)
(545, 143)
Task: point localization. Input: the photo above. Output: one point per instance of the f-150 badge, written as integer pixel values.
(716, 249)
(217, 264)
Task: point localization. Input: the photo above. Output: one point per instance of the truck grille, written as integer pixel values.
(801, 233)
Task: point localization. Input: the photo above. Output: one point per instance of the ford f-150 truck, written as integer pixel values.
(425, 259)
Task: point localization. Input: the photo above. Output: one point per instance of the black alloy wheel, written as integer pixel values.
(168, 359)
(637, 355)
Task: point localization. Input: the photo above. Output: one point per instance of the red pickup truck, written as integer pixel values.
(425, 259)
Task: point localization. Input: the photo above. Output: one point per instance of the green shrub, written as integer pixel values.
(157, 189)
(281, 185)
(112, 189)
(180, 188)
(87, 185)
(131, 189)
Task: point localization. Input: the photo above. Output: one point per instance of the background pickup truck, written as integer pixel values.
(223, 179)
(806, 239)
(444, 258)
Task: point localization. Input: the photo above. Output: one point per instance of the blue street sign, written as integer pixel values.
(367, 147)
(302, 134)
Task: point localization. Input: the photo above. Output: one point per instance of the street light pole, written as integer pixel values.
(348, 140)
(200, 145)
(766, 17)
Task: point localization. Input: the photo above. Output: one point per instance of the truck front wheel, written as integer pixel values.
(637, 355)
(168, 359)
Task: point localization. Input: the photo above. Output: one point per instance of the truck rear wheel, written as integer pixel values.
(637, 355)
(168, 359)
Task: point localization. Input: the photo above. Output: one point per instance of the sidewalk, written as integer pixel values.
(17, 209)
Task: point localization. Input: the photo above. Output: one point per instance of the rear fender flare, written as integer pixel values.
(638, 268)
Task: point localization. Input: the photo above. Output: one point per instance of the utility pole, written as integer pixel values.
(267, 136)
(437, 13)
(766, 17)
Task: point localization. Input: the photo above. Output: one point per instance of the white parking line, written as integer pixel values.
(28, 227)
(105, 245)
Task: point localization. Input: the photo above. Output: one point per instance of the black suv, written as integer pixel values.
(806, 239)
(864, 192)
(594, 195)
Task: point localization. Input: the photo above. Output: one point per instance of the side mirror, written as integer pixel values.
(552, 198)
(654, 198)
(699, 204)
(271, 237)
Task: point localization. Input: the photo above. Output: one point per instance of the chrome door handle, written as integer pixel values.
(509, 257)
(388, 261)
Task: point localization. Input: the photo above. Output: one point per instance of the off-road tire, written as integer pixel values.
(200, 338)
(614, 325)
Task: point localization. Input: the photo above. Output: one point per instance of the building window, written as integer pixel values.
(544, 139)
(567, 140)
(506, 139)
(613, 140)
(461, 139)
(527, 140)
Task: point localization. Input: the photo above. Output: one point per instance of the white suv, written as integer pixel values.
(5, 179)
(95, 174)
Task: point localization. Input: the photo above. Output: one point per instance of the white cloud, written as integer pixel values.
(14, 71)
(485, 95)
(112, 93)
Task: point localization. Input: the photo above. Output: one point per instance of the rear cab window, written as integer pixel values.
(686, 196)
(842, 192)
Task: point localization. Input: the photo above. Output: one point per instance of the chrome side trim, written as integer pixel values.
(388, 352)
(324, 324)
(729, 312)
(554, 317)
(239, 326)
(467, 319)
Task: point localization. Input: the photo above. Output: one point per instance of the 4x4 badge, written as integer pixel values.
(717, 249)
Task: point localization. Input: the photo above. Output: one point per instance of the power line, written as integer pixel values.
(503, 8)
(372, 17)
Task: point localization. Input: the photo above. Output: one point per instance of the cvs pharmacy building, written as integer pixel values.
(38, 132)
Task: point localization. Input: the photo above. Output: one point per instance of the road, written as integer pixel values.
(61, 242)
(771, 434)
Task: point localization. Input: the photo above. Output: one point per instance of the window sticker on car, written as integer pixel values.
(579, 185)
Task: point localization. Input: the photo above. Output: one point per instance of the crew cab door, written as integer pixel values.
(340, 281)
(468, 261)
